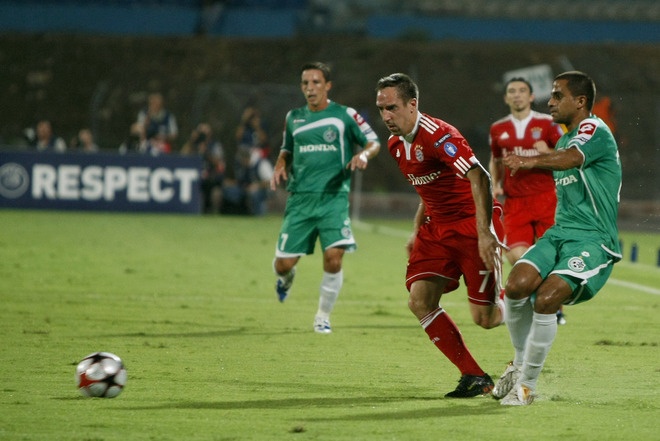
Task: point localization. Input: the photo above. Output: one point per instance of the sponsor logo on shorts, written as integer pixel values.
(576, 264)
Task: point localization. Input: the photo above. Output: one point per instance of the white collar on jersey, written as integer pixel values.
(521, 124)
(410, 136)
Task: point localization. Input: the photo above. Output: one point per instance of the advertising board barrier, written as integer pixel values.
(100, 182)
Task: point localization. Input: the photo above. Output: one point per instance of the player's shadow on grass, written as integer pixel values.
(239, 331)
(486, 406)
(196, 334)
(359, 407)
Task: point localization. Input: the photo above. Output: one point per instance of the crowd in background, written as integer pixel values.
(236, 186)
(242, 188)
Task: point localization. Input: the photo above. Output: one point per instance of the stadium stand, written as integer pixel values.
(113, 50)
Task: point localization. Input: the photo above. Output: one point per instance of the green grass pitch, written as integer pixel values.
(188, 303)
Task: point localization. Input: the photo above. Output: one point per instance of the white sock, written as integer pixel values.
(502, 307)
(518, 322)
(328, 293)
(541, 336)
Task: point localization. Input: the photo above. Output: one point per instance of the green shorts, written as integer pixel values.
(578, 257)
(309, 216)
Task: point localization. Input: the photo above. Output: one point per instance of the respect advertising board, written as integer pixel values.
(102, 182)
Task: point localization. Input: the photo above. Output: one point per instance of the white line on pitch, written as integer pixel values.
(637, 286)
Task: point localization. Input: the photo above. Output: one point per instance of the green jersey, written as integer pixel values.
(588, 196)
(322, 145)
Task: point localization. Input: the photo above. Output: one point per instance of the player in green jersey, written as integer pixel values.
(323, 143)
(574, 258)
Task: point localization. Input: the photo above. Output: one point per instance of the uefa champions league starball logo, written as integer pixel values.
(14, 180)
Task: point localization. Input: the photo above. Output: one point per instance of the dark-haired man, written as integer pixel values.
(529, 195)
(575, 257)
(455, 231)
(323, 143)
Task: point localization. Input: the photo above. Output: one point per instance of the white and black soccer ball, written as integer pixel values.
(101, 374)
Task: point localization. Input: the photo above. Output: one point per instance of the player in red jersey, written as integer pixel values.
(529, 196)
(454, 230)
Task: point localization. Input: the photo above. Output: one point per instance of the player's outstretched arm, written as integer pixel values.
(555, 160)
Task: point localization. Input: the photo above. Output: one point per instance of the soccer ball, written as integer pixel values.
(101, 374)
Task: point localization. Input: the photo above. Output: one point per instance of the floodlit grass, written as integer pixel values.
(188, 303)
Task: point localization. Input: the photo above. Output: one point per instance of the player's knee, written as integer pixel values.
(332, 263)
(517, 288)
(489, 320)
(283, 266)
(412, 304)
(522, 282)
(548, 303)
(487, 323)
(418, 307)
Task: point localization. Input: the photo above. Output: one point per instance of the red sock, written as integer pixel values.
(444, 333)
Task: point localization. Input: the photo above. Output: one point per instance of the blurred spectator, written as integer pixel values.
(211, 13)
(132, 142)
(202, 143)
(604, 110)
(251, 132)
(155, 126)
(44, 140)
(249, 191)
(85, 142)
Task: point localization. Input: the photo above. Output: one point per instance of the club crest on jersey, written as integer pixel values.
(419, 154)
(537, 132)
(576, 264)
(450, 149)
(329, 135)
(441, 140)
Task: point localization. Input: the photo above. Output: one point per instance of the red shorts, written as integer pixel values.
(452, 251)
(527, 218)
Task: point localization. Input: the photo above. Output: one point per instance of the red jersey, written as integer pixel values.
(435, 162)
(518, 137)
